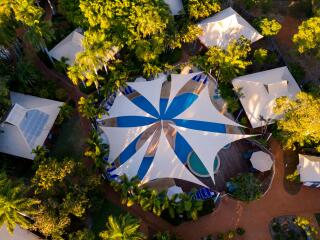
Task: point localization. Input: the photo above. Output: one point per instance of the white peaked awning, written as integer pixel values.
(124, 136)
(167, 165)
(122, 106)
(260, 90)
(131, 167)
(18, 234)
(151, 90)
(203, 110)
(177, 82)
(225, 26)
(309, 168)
(175, 6)
(68, 47)
(207, 144)
(261, 161)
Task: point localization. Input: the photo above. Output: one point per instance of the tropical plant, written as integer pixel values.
(89, 108)
(247, 187)
(15, 207)
(65, 113)
(5, 102)
(84, 234)
(96, 149)
(267, 27)
(300, 124)
(225, 64)
(199, 9)
(294, 177)
(308, 37)
(127, 188)
(310, 230)
(71, 10)
(124, 227)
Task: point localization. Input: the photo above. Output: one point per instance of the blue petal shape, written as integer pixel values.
(145, 105)
(201, 125)
(179, 104)
(135, 121)
(129, 151)
(182, 148)
(144, 167)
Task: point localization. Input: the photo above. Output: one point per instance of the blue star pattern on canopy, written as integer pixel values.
(151, 139)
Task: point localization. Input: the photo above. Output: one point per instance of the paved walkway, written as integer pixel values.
(255, 217)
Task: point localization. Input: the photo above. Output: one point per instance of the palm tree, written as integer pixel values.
(97, 149)
(15, 208)
(124, 227)
(128, 189)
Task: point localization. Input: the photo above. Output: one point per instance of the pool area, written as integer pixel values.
(196, 166)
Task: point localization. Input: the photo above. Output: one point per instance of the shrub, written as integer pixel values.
(61, 94)
(248, 188)
(297, 71)
(294, 177)
(268, 27)
(260, 55)
(240, 231)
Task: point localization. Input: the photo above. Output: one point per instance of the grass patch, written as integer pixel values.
(100, 216)
(69, 140)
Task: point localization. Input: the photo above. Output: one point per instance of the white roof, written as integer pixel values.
(225, 26)
(261, 161)
(18, 234)
(175, 6)
(260, 90)
(27, 124)
(162, 161)
(309, 168)
(68, 47)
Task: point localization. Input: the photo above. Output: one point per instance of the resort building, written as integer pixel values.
(27, 124)
(225, 26)
(175, 6)
(309, 170)
(18, 234)
(259, 91)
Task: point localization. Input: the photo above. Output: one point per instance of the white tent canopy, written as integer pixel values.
(175, 6)
(261, 161)
(309, 168)
(68, 47)
(161, 152)
(260, 90)
(18, 234)
(27, 124)
(225, 26)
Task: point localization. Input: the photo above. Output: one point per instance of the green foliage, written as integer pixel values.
(71, 10)
(122, 228)
(310, 230)
(226, 64)
(297, 71)
(5, 102)
(260, 55)
(248, 188)
(89, 108)
(84, 234)
(66, 189)
(240, 231)
(267, 27)
(65, 113)
(96, 149)
(15, 207)
(200, 9)
(294, 177)
(300, 124)
(308, 37)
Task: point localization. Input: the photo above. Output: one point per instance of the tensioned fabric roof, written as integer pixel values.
(153, 140)
(175, 6)
(225, 26)
(260, 90)
(309, 168)
(27, 125)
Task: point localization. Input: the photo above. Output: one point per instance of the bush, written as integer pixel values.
(240, 231)
(267, 27)
(61, 94)
(297, 71)
(171, 57)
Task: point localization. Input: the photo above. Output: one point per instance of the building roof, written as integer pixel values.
(225, 26)
(18, 234)
(260, 90)
(175, 6)
(27, 125)
(68, 47)
(309, 168)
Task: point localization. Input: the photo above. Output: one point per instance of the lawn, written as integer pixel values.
(69, 140)
(99, 217)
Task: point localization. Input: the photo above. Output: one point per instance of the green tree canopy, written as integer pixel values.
(5, 102)
(71, 10)
(268, 27)
(225, 64)
(301, 123)
(122, 228)
(14, 205)
(199, 9)
(308, 37)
